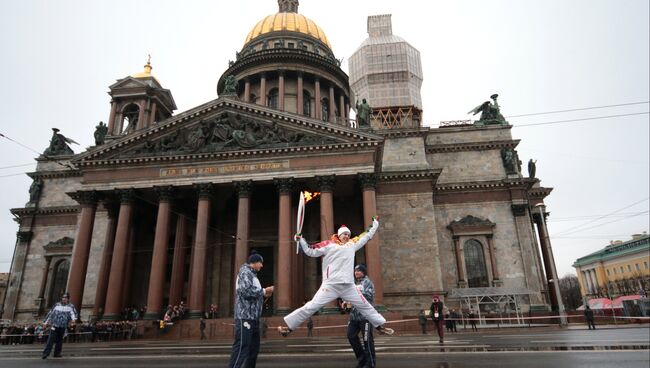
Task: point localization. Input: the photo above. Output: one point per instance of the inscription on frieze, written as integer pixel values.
(223, 169)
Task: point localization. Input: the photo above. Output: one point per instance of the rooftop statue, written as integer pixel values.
(100, 133)
(490, 112)
(532, 167)
(230, 86)
(59, 145)
(35, 190)
(363, 113)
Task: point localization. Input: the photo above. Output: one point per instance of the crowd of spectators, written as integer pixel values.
(35, 333)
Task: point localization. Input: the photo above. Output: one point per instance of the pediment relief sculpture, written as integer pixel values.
(224, 133)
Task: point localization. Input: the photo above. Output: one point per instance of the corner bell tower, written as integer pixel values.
(138, 101)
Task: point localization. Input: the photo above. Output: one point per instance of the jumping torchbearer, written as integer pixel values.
(338, 278)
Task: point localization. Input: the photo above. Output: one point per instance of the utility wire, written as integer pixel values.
(66, 165)
(579, 109)
(605, 223)
(583, 119)
(586, 217)
(12, 166)
(565, 232)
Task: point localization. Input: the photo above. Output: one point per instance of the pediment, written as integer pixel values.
(128, 82)
(228, 126)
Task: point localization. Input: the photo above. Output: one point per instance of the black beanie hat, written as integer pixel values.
(361, 267)
(255, 257)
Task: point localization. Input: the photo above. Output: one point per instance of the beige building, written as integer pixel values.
(166, 207)
(621, 268)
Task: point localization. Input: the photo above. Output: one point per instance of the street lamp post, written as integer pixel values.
(554, 279)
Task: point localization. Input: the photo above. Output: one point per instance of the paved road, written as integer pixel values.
(573, 359)
(621, 347)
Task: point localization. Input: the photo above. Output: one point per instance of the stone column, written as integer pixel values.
(159, 257)
(41, 291)
(496, 281)
(594, 280)
(244, 189)
(105, 266)
(317, 104)
(347, 112)
(281, 90)
(23, 238)
(285, 242)
(111, 119)
(262, 90)
(462, 282)
(342, 108)
(113, 308)
(247, 90)
(142, 104)
(152, 114)
(326, 187)
(549, 263)
(81, 249)
(584, 283)
(178, 264)
(197, 292)
(301, 96)
(128, 273)
(373, 256)
(332, 106)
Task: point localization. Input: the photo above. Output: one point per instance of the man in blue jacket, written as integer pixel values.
(58, 318)
(365, 353)
(249, 299)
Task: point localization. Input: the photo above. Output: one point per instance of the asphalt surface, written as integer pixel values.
(574, 359)
(606, 347)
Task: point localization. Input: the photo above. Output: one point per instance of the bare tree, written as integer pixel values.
(570, 291)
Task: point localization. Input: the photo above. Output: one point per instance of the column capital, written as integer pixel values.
(284, 185)
(326, 183)
(537, 217)
(367, 180)
(112, 208)
(165, 193)
(243, 188)
(85, 197)
(24, 236)
(519, 209)
(126, 195)
(204, 190)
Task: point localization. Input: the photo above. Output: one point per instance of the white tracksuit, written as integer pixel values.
(338, 280)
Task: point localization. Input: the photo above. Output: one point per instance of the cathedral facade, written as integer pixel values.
(166, 207)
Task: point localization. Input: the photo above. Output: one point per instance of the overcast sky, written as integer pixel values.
(59, 57)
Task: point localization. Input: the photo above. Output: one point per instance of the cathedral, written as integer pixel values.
(165, 207)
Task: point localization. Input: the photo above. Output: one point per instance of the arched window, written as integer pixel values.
(59, 281)
(475, 264)
(325, 109)
(306, 103)
(273, 98)
(130, 116)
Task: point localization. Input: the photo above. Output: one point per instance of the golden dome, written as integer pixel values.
(286, 21)
(147, 71)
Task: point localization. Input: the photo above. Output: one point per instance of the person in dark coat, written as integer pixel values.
(364, 349)
(249, 298)
(59, 317)
(438, 317)
(422, 319)
(589, 317)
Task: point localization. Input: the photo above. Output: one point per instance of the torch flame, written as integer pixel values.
(310, 195)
